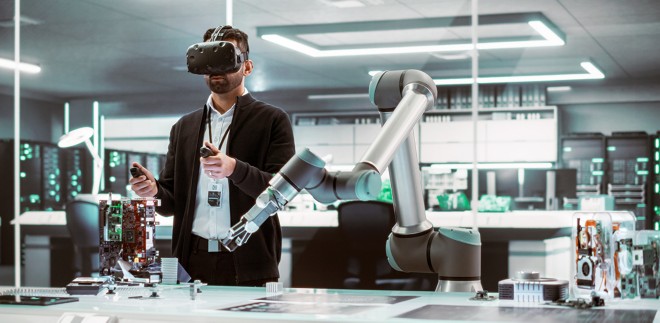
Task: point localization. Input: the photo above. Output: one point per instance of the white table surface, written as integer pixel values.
(514, 219)
(175, 305)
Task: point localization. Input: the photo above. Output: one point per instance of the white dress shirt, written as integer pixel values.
(214, 222)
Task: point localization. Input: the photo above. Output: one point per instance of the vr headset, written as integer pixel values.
(215, 56)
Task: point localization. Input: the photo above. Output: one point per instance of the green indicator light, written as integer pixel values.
(112, 179)
(641, 218)
(22, 157)
(641, 205)
(657, 142)
(657, 156)
(597, 160)
(657, 169)
(23, 174)
(26, 145)
(643, 160)
(52, 193)
(567, 149)
(597, 173)
(657, 187)
(112, 164)
(611, 148)
(74, 177)
(642, 172)
(657, 226)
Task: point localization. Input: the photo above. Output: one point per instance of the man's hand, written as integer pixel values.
(143, 185)
(218, 165)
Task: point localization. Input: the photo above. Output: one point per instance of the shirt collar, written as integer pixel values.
(215, 113)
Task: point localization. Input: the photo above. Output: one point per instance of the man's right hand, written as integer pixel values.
(143, 185)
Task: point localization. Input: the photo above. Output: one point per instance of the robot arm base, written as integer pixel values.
(452, 253)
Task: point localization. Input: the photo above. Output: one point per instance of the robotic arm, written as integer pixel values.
(402, 98)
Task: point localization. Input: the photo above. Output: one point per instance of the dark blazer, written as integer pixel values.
(261, 141)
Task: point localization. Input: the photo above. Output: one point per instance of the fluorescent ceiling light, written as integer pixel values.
(558, 88)
(593, 73)
(23, 67)
(337, 96)
(494, 166)
(286, 36)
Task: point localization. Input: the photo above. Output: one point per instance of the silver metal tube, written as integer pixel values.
(17, 142)
(407, 190)
(396, 129)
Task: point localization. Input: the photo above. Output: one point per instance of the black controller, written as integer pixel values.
(136, 172)
(205, 152)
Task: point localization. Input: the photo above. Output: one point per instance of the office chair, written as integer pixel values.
(82, 220)
(365, 226)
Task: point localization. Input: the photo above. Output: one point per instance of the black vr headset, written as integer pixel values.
(215, 56)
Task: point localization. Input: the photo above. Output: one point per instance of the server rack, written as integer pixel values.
(116, 171)
(656, 182)
(78, 167)
(41, 187)
(628, 174)
(585, 152)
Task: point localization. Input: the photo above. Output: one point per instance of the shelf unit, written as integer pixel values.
(492, 96)
(344, 136)
(503, 135)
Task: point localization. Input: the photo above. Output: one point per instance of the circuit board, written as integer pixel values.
(127, 231)
(646, 261)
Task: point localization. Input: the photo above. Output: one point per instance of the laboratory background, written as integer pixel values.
(540, 140)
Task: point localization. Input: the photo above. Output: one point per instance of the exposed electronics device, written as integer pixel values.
(127, 233)
(530, 287)
(87, 285)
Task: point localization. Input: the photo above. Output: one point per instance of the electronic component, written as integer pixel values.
(646, 261)
(127, 230)
(87, 285)
(529, 287)
(593, 263)
(35, 300)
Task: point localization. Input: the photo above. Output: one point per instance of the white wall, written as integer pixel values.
(139, 134)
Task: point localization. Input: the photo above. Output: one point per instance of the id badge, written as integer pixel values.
(214, 197)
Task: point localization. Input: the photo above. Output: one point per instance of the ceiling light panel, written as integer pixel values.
(591, 72)
(366, 42)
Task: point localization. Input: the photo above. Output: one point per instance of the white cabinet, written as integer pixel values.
(324, 140)
(503, 135)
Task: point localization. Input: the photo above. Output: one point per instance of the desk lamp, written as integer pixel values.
(78, 136)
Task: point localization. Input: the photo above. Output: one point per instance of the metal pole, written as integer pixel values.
(475, 114)
(230, 13)
(17, 142)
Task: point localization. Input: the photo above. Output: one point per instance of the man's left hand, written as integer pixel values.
(218, 165)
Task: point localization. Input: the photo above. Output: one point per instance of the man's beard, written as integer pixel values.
(221, 86)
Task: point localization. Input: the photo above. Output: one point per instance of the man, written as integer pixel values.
(250, 141)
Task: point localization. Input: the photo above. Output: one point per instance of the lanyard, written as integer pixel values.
(224, 136)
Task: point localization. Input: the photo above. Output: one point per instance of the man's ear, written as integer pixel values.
(248, 67)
